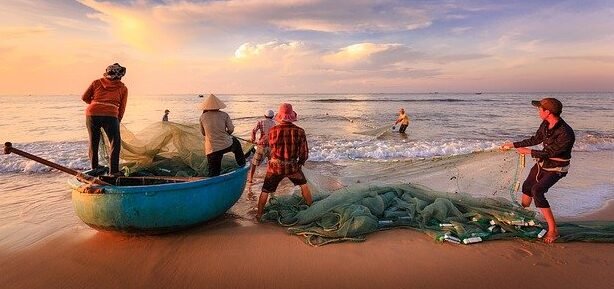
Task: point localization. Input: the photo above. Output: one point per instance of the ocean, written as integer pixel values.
(442, 124)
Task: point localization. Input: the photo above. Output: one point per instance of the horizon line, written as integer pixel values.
(330, 93)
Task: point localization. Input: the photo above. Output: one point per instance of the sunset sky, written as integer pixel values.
(308, 46)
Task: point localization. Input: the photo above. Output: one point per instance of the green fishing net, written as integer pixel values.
(459, 199)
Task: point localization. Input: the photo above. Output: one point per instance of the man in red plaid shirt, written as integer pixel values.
(289, 152)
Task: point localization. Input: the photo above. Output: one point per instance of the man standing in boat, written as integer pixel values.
(106, 98)
(289, 152)
(262, 146)
(216, 127)
(552, 162)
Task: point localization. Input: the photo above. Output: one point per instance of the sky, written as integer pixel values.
(308, 46)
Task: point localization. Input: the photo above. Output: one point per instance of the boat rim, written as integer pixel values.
(74, 183)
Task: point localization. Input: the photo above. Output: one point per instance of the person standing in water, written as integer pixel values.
(106, 98)
(262, 146)
(289, 152)
(165, 117)
(552, 162)
(216, 127)
(403, 119)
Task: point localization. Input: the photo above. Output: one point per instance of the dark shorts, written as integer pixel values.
(271, 181)
(537, 184)
(403, 128)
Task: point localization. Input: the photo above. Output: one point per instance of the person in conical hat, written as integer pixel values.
(217, 128)
(212, 103)
(289, 152)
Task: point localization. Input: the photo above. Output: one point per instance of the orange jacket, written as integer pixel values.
(106, 98)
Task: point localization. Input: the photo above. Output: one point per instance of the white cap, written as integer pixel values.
(269, 113)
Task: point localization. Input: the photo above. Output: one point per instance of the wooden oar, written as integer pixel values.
(8, 148)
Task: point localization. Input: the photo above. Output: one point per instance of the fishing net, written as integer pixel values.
(460, 199)
(354, 211)
(377, 132)
(167, 149)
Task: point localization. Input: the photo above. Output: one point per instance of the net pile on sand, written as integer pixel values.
(459, 199)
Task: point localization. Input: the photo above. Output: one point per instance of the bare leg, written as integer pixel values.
(250, 195)
(261, 202)
(553, 232)
(526, 200)
(252, 170)
(306, 194)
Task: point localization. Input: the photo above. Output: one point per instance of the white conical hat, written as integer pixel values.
(211, 103)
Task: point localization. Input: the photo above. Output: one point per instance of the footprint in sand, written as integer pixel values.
(592, 260)
(519, 254)
(523, 252)
(542, 264)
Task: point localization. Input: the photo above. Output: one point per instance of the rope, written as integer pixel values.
(516, 182)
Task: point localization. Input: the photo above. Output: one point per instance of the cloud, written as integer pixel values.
(444, 59)
(284, 57)
(459, 30)
(170, 24)
(8, 33)
(590, 58)
(137, 26)
(369, 56)
(300, 66)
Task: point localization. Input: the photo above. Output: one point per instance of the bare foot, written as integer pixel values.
(550, 238)
(257, 219)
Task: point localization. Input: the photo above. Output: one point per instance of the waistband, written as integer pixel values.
(283, 162)
(105, 103)
(562, 169)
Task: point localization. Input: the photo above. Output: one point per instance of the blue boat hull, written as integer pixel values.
(158, 208)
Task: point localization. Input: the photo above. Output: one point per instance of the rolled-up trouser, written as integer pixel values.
(537, 184)
(110, 125)
(214, 159)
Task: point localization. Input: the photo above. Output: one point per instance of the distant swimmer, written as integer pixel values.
(552, 162)
(403, 119)
(165, 117)
(106, 98)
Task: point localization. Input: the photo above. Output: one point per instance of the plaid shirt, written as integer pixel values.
(289, 149)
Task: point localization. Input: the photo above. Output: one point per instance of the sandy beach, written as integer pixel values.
(406, 111)
(230, 252)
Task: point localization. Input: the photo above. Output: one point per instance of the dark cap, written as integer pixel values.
(551, 104)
